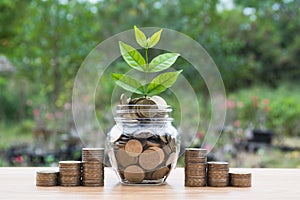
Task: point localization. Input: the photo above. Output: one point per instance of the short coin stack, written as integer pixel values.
(46, 178)
(70, 173)
(195, 167)
(93, 167)
(240, 179)
(217, 173)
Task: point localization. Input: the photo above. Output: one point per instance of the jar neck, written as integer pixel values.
(143, 114)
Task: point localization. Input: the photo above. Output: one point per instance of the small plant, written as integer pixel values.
(134, 59)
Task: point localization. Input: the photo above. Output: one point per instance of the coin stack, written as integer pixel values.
(93, 167)
(70, 173)
(195, 167)
(240, 179)
(217, 173)
(46, 178)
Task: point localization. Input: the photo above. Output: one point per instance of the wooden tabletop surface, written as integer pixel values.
(19, 183)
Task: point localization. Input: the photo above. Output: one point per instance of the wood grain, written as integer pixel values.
(19, 183)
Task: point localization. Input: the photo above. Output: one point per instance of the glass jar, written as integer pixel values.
(143, 146)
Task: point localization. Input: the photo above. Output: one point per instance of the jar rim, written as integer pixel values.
(129, 108)
(143, 120)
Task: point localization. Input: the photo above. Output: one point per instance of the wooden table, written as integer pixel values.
(19, 183)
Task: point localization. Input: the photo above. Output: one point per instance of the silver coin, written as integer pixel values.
(123, 99)
(115, 134)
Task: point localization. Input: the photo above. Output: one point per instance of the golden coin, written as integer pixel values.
(195, 182)
(163, 138)
(240, 175)
(69, 162)
(152, 144)
(240, 182)
(172, 158)
(134, 147)
(167, 149)
(134, 174)
(160, 153)
(160, 173)
(124, 159)
(149, 159)
(146, 108)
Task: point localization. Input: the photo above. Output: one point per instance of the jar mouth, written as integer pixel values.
(143, 113)
(143, 120)
(131, 107)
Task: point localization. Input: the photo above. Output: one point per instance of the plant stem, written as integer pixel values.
(147, 71)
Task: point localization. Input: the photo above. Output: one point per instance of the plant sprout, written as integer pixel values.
(135, 60)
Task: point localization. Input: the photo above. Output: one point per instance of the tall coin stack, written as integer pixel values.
(240, 179)
(217, 173)
(195, 167)
(70, 173)
(93, 167)
(46, 178)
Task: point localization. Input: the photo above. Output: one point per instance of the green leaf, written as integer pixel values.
(162, 62)
(128, 83)
(140, 37)
(162, 82)
(154, 39)
(133, 58)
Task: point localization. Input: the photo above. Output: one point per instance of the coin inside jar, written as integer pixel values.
(124, 159)
(160, 153)
(123, 99)
(146, 108)
(134, 147)
(160, 173)
(134, 174)
(149, 159)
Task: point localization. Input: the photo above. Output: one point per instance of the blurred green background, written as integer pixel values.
(255, 44)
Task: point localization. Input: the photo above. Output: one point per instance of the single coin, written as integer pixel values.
(172, 158)
(89, 149)
(163, 138)
(167, 149)
(124, 159)
(123, 99)
(160, 173)
(171, 143)
(134, 147)
(53, 172)
(152, 143)
(134, 174)
(159, 101)
(149, 159)
(115, 134)
(217, 163)
(160, 153)
(146, 108)
(69, 162)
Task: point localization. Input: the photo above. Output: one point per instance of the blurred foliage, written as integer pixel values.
(254, 42)
(264, 107)
(15, 134)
